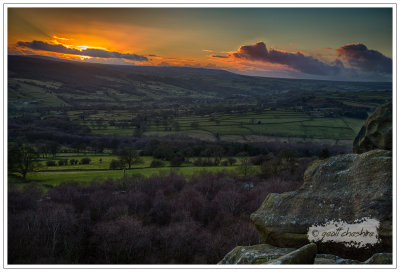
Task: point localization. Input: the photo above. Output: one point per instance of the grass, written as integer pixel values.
(46, 179)
(271, 122)
(100, 161)
(31, 93)
(98, 170)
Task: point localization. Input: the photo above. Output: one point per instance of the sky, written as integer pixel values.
(313, 43)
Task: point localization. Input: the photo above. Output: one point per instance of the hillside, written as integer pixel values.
(50, 83)
(205, 104)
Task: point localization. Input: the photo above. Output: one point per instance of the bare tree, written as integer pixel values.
(129, 156)
(21, 159)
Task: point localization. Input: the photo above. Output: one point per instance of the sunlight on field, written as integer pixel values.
(56, 178)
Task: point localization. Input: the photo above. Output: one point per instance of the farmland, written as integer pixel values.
(156, 153)
(269, 122)
(94, 110)
(99, 169)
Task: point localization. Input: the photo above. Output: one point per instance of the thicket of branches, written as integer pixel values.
(137, 220)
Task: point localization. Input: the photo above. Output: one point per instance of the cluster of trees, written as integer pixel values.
(127, 157)
(71, 162)
(22, 159)
(166, 149)
(156, 220)
(52, 135)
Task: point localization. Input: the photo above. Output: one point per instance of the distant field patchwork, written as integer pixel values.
(208, 127)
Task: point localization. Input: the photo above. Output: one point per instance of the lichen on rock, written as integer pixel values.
(376, 132)
(256, 254)
(345, 187)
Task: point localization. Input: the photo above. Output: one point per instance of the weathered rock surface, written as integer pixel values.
(303, 255)
(380, 258)
(256, 254)
(345, 187)
(376, 132)
(332, 259)
(377, 258)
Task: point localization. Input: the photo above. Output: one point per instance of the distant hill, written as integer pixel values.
(50, 82)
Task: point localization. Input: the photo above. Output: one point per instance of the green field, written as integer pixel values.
(270, 122)
(99, 161)
(98, 170)
(206, 104)
(56, 178)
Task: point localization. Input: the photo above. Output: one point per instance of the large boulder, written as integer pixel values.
(256, 254)
(341, 188)
(332, 259)
(267, 254)
(376, 132)
(377, 258)
(303, 255)
(380, 258)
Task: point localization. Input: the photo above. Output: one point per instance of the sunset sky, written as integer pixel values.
(329, 43)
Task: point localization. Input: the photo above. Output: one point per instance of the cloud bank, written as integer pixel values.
(91, 52)
(352, 60)
(297, 61)
(360, 57)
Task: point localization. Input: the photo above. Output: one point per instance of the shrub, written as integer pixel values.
(177, 161)
(225, 163)
(51, 163)
(157, 163)
(116, 164)
(270, 168)
(231, 161)
(62, 162)
(73, 161)
(85, 160)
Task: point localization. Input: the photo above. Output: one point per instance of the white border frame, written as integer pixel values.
(199, 4)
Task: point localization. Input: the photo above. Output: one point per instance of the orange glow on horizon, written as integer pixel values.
(82, 42)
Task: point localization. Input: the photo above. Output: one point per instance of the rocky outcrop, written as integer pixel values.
(345, 187)
(377, 258)
(267, 254)
(376, 132)
(257, 254)
(340, 191)
(380, 258)
(303, 255)
(332, 259)
(271, 255)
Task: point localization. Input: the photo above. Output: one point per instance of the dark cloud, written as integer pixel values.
(220, 56)
(353, 62)
(91, 52)
(297, 61)
(164, 64)
(360, 57)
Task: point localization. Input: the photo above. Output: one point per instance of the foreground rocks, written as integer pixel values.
(340, 190)
(377, 258)
(267, 254)
(270, 255)
(303, 255)
(345, 187)
(257, 254)
(380, 258)
(376, 132)
(332, 259)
